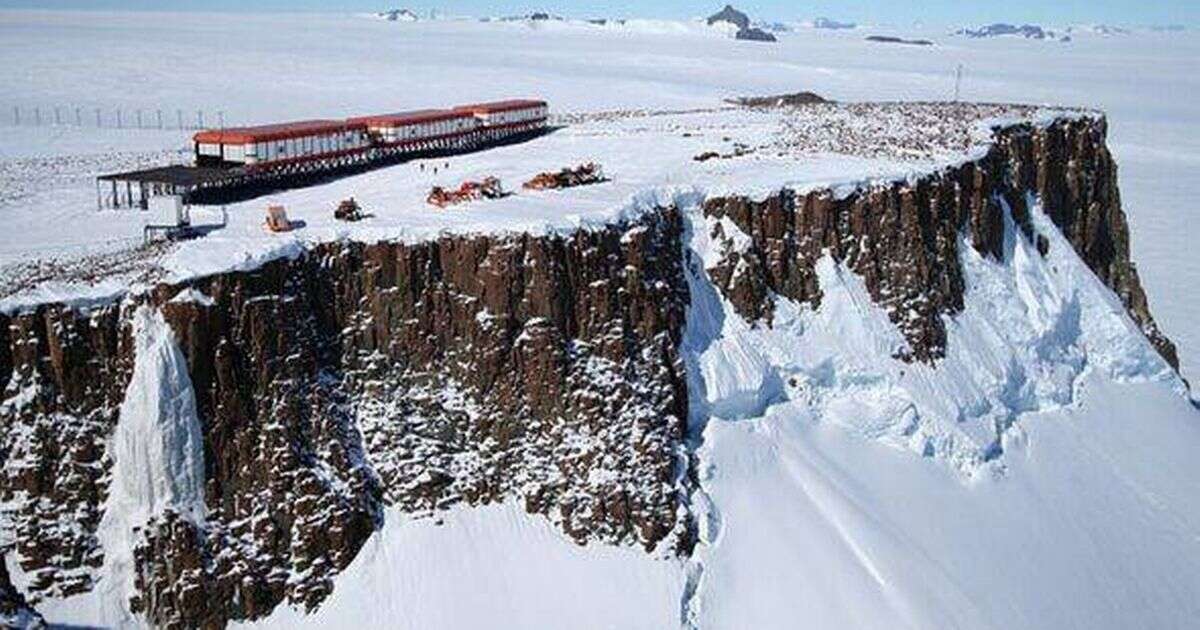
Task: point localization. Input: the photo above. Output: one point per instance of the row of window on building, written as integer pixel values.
(285, 148)
(319, 138)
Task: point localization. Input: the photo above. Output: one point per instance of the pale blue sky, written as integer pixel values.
(1053, 12)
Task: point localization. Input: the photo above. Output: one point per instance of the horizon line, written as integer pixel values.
(449, 16)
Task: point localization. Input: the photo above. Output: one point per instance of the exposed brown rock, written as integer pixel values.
(902, 238)
(467, 369)
(64, 388)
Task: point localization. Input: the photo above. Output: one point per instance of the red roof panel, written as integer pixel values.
(414, 117)
(501, 106)
(278, 131)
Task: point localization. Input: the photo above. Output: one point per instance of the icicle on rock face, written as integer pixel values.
(157, 448)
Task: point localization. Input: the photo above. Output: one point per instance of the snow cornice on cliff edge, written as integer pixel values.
(653, 159)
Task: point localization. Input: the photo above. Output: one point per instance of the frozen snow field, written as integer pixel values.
(865, 494)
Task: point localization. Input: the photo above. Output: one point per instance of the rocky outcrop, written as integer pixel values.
(754, 35)
(730, 15)
(890, 39)
(903, 237)
(1000, 29)
(740, 20)
(15, 612)
(65, 372)
(793, 99)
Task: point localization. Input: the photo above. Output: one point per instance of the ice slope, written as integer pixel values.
(1041, 476)
(1030, 328)
(157, 447)
(1093, 526)
(492, 567)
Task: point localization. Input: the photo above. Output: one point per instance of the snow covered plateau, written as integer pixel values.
(886, 362)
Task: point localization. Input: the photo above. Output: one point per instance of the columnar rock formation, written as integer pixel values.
(467, 369)
(903, 238)
(472, 369)
(15, 612)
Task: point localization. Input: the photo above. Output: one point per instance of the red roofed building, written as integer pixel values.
(281, 143)
(417, 126)
(307, 144)
(515, 115)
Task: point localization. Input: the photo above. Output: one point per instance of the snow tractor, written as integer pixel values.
(349, 210)
(489, 188)
(582, 175)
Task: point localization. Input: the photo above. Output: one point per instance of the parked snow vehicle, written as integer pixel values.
(489, 188)
(582, 175)
(277, 220)
(349, 210)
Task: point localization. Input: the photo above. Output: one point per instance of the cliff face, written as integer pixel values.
(467, 369)
(65, 378)
(903, 238)
(15, 612)
(471, 369)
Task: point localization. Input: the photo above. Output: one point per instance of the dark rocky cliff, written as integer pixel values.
(903, 238)
(467, 369)
(15, 612)
(66, 375)
(470, 369)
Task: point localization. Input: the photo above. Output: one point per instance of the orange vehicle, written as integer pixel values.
(489, 188)
(582, 175)
(277, 220)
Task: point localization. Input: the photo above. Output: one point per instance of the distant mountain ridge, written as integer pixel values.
(1001, 29)
(742, 21)
(826, 23)
(399, 15)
